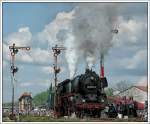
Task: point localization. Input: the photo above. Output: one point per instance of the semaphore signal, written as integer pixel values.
(56, 50)
(14, 69)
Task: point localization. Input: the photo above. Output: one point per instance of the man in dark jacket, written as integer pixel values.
(112, 113)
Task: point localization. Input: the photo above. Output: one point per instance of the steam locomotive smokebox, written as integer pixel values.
(87, 83)
(104, 82)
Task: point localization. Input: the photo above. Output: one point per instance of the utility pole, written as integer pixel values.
(14, 50)
(56, 50)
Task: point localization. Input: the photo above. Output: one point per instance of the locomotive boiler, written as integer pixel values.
(83, 95)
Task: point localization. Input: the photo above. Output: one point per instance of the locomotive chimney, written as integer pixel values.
(87, 67)
(102, 66)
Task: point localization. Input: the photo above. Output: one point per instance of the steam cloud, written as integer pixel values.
(71, 53)
(89, 33)
(92, 25)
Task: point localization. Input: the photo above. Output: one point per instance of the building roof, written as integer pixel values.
(144, 88)
(25, 94)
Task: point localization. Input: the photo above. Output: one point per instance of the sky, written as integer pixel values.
(38, 24)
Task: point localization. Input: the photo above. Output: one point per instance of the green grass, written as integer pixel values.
(62, 119)
(6, 119)
(45, 119)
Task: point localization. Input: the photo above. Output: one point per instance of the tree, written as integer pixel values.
(109, 92)
(123, 85)
(40, 98)
(50, 99)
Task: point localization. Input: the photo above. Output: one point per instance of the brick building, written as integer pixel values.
(25, 102)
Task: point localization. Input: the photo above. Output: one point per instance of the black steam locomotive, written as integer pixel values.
(83, 95)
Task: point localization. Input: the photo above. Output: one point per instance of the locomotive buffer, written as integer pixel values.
(56, 50)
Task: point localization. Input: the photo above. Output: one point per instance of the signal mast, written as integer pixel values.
(56, 50)
(14, 69)
(115, 31)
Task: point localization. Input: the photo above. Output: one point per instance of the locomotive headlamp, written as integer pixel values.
(92, 78)
(83, 100)
(71, 98)
(102, 100)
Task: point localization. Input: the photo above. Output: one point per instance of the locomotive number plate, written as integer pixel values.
(91, 87)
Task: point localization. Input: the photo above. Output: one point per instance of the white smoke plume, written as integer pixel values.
(59, 32)
(92, 25)
(85, 32)
(71, 53)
